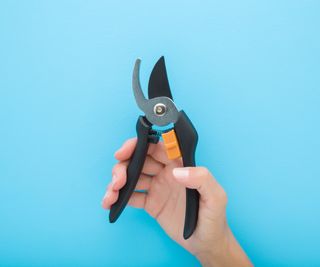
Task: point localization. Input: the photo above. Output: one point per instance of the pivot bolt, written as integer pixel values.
(160, 109)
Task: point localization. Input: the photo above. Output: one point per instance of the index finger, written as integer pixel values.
(156, 151)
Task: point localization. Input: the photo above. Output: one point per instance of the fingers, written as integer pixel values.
(138, 200)
(144, 182)
(126, 150)
(152, 167)
(201, 179)
(109, 198)
(156, 151)
(119, 175)
(112, 193)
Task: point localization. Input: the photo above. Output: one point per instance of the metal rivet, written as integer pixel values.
(159, 109)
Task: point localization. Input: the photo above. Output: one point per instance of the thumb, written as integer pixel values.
(201, 179)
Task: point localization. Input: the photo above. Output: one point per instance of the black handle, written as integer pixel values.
(188, 138)
(134, 169)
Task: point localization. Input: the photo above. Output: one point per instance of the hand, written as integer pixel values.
(165, 181)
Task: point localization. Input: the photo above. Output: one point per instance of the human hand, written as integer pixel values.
(165, 182)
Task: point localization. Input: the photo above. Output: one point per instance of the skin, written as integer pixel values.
(165, 181)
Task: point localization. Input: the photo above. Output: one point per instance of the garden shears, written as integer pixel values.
(179, 136)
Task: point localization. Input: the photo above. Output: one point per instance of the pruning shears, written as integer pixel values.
(180, 140)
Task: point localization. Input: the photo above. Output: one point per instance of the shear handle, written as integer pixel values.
(134, 169)
(188, 138)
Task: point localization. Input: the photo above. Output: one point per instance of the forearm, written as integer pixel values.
(229, 254)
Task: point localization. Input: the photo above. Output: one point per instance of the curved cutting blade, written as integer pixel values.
(158, 82)
(138, 93)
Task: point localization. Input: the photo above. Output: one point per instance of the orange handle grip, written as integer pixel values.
(171, 144)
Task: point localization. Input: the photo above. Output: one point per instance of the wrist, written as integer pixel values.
(228, 253)
(212, 254)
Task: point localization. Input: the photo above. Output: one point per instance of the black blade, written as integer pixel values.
(158, 82)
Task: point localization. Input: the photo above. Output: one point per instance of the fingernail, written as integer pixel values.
(106, 195)
(114, 180)
(181, 173)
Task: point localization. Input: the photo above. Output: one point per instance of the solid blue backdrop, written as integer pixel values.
(246, 72)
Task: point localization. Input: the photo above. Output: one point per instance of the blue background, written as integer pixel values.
(246, 72)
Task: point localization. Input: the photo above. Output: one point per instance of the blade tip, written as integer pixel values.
(161, 58)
